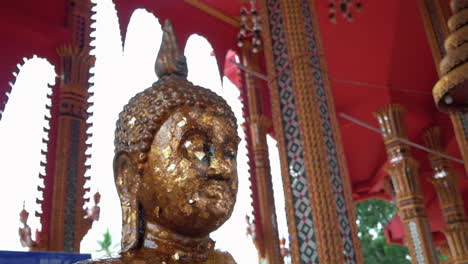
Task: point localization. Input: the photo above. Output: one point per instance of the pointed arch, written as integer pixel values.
(23, 130)
(202, 64)
(142, 43)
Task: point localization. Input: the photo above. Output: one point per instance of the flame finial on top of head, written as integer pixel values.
(170, 59)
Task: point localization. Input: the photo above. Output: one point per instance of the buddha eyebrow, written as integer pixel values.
(192, 131)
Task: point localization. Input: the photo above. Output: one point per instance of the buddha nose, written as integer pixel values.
(219, 167)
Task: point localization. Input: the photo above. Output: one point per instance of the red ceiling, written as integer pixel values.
(229, 8)
(28, 29)
(385, 45)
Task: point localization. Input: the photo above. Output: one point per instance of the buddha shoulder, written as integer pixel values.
(113, 261)
(219, 257)
(222, 257)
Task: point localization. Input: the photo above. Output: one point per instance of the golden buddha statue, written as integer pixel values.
(174, 167)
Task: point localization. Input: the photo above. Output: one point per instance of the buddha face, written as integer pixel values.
(190, 183)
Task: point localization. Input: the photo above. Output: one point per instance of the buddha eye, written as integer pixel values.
(230, 154)
(210, 151)
(195, 148)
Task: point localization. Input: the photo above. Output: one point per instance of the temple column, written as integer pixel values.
(320, 210)
(64, 221)
(69, 176)
(446, 183)
(269, 246)
(403, 171)
(447, 93)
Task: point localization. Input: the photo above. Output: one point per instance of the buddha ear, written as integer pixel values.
(127, 181)
(125, 172)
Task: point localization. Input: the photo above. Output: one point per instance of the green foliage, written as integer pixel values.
(372, 215)
(106, 243)
(442, 257)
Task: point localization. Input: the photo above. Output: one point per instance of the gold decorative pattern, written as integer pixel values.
(456, 40)
(449, 81)
(326, 222)
(456, 22)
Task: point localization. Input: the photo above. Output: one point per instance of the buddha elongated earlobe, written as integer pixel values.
(127, 181)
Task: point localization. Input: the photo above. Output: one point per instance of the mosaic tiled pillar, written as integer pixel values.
(259, 125)
(320, 211)
(435, 14)
(446, 183)
(403, 170)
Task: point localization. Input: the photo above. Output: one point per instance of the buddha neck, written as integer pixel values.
(162, 242)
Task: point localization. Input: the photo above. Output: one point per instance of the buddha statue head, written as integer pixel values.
(175, 161)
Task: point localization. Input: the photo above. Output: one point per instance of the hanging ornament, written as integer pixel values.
(345, 8)
(250, 27)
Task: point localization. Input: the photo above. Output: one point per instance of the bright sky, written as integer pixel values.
(119, 74)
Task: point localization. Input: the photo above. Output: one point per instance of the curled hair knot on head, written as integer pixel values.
(142, 117)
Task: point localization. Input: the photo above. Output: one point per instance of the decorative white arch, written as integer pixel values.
(21, 137)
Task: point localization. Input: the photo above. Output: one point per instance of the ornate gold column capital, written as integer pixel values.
(80, 61)
(74, 80)
(392, 123)
(432, 139)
